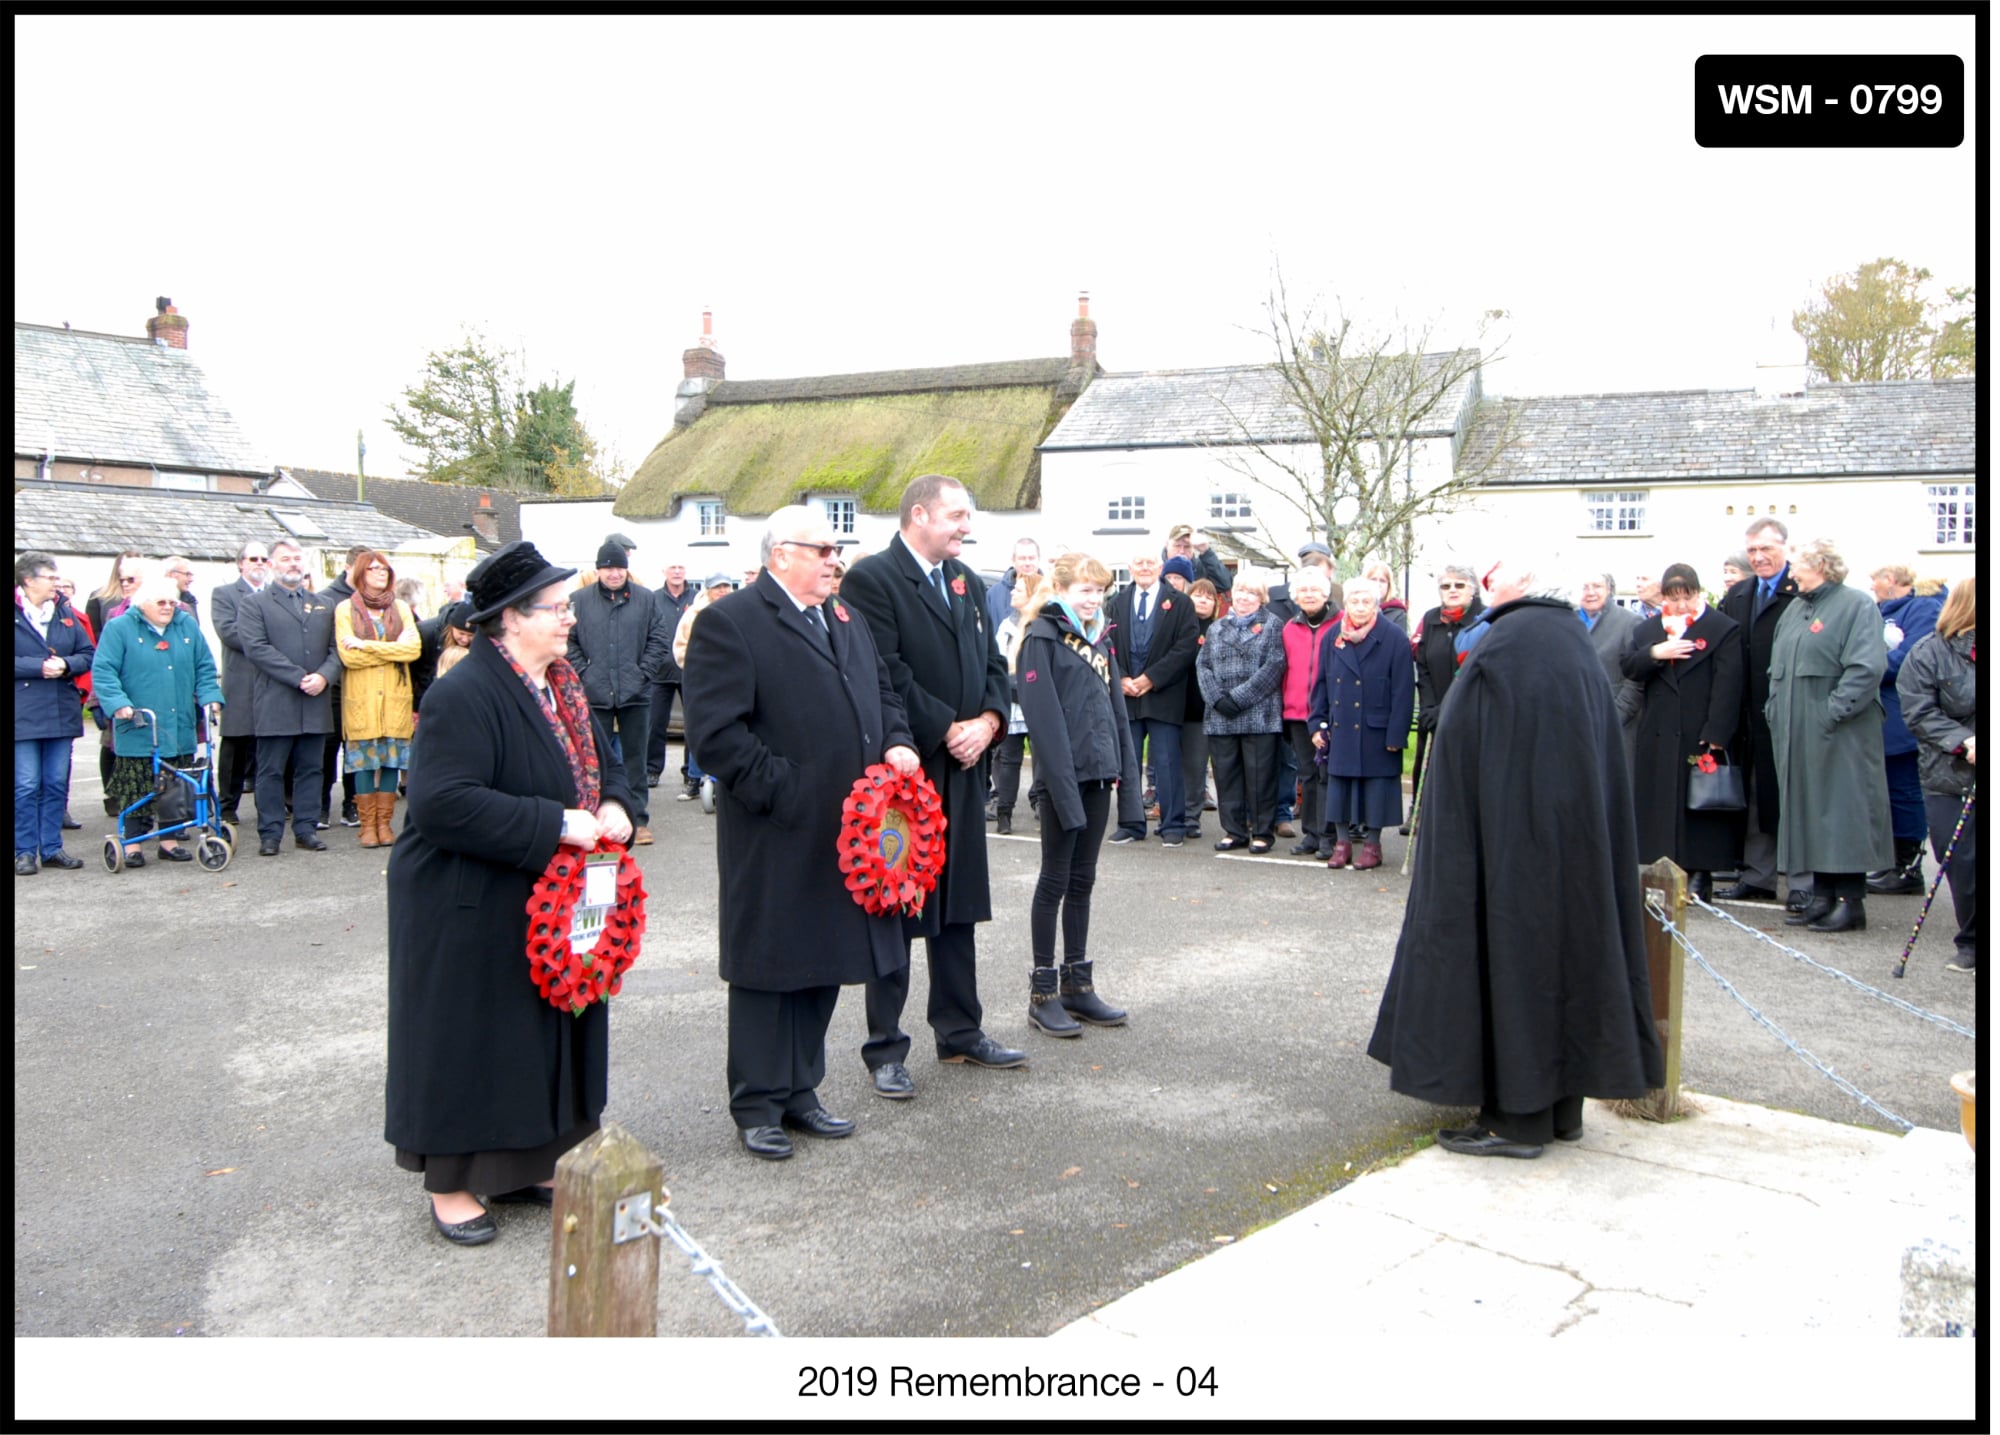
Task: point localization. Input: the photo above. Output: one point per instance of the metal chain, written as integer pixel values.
(1946, 1022)
(1821, 1067)
(755, 1322)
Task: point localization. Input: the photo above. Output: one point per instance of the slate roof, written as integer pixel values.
(1919, 426)
(110, 399)
(109, 518)
(1191, 408)
(442, 508)
(1013, 373)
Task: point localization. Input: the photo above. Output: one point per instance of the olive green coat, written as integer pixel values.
(1825, 716)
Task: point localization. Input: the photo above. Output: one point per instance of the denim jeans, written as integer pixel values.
(41, 793)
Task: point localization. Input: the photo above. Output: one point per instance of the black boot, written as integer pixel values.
(1847, 914)
(1082, 1000)
(1003, 821)
(1818, 907)
(1702, 886)
(1906, 878)
(1046, 1011)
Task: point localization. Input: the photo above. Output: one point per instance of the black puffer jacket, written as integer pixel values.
(1939, 686)
(620, 645)
(1075, 707)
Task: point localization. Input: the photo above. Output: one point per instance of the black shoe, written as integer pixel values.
(652, 779)
(892, 1079)
(819, 1122)
(1798, 899)
(770, 1143)
(26, 864)
(1231, 844)
(1813, 911)
(70, 824)
(135, 859)
(1046, 1011)
(309, 842)
(1701, 885)
(526, 1196)
(1171, 839)
(475, 1232)
(1476, 1141)
(1575, 1133)
(987, 1052)
(267, 846)
(1003, 822)
(1846, 915)
(1895, 883)
(1124, 835)
(320, 825)
(350, 815)
(1404, 830)
(1963, 962)
(1746, 892)
(228, 814)
(175, 854)
(63, 860)
(1309, 847)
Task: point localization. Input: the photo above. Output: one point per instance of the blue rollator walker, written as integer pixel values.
(187, 797)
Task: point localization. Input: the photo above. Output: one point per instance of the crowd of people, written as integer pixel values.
(1849, 722)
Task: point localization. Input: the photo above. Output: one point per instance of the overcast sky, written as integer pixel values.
(328, 199)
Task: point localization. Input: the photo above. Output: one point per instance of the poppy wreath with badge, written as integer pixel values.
(891, 841)
(567, 979)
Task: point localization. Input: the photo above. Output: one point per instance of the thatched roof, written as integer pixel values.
(761, 444)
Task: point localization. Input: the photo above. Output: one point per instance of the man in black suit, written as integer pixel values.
(927, 613)
(1755, 604)
(287, 634)
(236, 754)
(1155, 633)
(795, 704)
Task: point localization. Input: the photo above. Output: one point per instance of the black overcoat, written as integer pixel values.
(1684, 704)
(785, 730)
(1753, 733)
(478, 1061)
(1173, 638)
(239, 674)
(284, 642)
(944, 670)
(1520, 975)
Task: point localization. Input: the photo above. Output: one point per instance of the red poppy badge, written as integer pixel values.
(69, 622)
(1700, 643)
(958, 586)
(161, 645)
(1817, 625)
(1165, 604)
(1256, 628)
(840, 612)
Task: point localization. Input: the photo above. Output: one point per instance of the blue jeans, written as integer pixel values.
(41, 793)
(1166, 760)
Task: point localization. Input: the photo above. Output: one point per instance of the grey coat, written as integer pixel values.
(1609, 640)
(284, 642)
(1825, 716)
(239, 674)
(620, 647)
(1249, 666)
(1940, 692)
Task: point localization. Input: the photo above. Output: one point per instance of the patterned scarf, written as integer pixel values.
(570, 721)
(376, 617)
(1351, 634)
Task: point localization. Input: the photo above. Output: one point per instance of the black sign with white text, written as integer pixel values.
(1829, 101)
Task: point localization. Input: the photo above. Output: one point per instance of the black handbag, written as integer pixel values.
(1717, 791)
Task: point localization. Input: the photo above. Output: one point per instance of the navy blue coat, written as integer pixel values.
(1917, 616)
(49, 707)
(1363, 698)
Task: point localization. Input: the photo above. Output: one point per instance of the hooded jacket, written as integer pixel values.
(1075, 707)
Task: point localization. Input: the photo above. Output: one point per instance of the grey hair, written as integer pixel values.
(1458, 570)
(1610, 585)
(1820, 555)
(1738, 561)
(1364, 585)
(243, 548)
(1758, 525)
(788, 522)
(1312, 578)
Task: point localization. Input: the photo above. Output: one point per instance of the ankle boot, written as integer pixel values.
(1370, 855)
(1003, 821)
(1082, 1000)
(1906, 878)
(1046, 1010)
(364, 804)
(1818, 907)
(1846, 915)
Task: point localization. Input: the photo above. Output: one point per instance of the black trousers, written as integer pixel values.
(1312, 810)
(1007, 770)
(303, 755)
(953, 1010)
(656, 730)
(1069, 871)
(1963, 870)
(1246, 782)
(328, 755)
(777, 1051)
(1534, 1128)
(235, 769)
(628, 728)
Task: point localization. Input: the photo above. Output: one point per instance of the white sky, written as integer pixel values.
(328, 199)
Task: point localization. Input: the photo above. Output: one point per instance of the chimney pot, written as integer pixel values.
(1083, 336)
(1083, 304)
(704, 360)
(485, 500)
(166, 327)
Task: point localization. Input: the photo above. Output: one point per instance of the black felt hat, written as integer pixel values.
(504, 578)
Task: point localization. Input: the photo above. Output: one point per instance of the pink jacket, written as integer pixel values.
(1302, 664)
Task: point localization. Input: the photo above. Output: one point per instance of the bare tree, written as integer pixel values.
(1335, 429)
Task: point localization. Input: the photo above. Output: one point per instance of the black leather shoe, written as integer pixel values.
(1746, 892)
(175, 854)
(267, 847)
(1895, 883)
(1575, 1133)
(893, 1081)
(526, 1196)
(70, 824)
(987, 1052)
(1846, 915)
(309, 842)
(26, 864)
(1798, 901)
(135, 859)
(1472, 1141)
(1306, 848)
(1702, 885)
(769, 1143)
(819, 1122)
(475, 1232)
(62, 860)
(1813, 911)
(1231, 844)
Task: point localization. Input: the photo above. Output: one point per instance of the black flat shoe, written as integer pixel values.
(1746, 892)
(1231, 844)
(475, 1232)
(1485, 1143)
(1259, 845)
(526, 1196)
(26, 864)
(1308, 848)
(309, 842)
(176, 854)
(893, 1081)
(819, 1122)
(70, 824)
(62, 860)
(987, 1052)
(767, 1143)
(1575, 1133)
(267, 847)
(135, 859)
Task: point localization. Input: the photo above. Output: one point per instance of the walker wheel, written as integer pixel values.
(213, 853)
(227, 831)
(114, 854)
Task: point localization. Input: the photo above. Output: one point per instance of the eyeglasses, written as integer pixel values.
(254, 559)
(825, 550)
(1454, 585)
(559, 609)
(128, 580)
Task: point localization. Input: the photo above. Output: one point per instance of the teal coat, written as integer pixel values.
(174, 675)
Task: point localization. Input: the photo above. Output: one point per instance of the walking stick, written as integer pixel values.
(1417, 803)
(1943, 862)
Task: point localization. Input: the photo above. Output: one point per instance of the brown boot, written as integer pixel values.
(385, 817)
(364, 805)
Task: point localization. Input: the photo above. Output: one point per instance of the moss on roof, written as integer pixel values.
(761, 456)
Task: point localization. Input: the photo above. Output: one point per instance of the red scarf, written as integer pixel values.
(1352, 634)
(570, 721)
(1452, 615)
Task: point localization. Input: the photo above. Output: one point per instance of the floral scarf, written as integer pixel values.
(1351, 634)
(570, 721)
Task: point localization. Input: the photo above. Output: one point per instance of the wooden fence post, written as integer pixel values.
(1664, 888)
(597, 1284)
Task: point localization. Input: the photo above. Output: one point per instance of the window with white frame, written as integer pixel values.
(1616, 511)
(1229, 505)
(712, 519)
(1952, 523)
(1128, 509)
(840, 516)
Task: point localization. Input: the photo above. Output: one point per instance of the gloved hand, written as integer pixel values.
(1892, 635)
(1427, 720)
(1228, 706)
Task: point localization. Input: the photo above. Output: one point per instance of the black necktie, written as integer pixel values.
(937, 582)
(1142, 607)
(817, 622)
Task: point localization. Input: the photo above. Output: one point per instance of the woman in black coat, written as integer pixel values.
(488, 1083)
(1688, 662)
(1435, 644)
(1075, 706)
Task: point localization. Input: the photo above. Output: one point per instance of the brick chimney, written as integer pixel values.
(167, 327)
(484, 521)
(1083, 335)
(704, 360)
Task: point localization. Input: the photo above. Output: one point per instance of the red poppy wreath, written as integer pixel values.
(891, 841)
(570, 980)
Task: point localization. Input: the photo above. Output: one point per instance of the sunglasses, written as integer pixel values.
(825, 550)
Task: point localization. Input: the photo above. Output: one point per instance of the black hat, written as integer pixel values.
(504, 578)
(628, 544)
(458, 615)
(1680, 575)
(613, 555)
